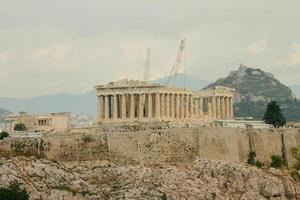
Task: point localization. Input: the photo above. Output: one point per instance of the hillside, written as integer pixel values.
(254, 88)
(202, 179)
(296, 90)
(253, 85)
(3, 113)
(62, 102)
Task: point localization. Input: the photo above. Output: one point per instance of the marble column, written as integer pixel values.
(162, 105)
(172, 106)
(149, 114)
(191, 106)
(209, 109)
(181, 106)
(115, 110)
(222, 107)
(230, 108)
(106, 107)
(167, 104)
(196, 106)
(227, 108)
(186, 103)
(123, 106)
(213, 107)
(201, 106)
(157, 105)
(218, 109)
(141, 106)
(132, 109)
(99, 113)
(177, 105)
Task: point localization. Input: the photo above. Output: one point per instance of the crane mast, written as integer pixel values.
(176, 66)
(146, 74)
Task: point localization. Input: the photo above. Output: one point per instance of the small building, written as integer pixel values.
(34, 122)
(241, 124)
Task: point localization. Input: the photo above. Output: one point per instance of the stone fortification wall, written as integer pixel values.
(159, 146)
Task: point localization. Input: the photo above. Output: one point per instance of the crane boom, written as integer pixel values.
(146, 74)
(176, 66)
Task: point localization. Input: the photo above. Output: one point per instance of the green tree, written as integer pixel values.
(3, 135)
(296, 166)
(13, 192)
(276, 161)
(251, 158)
(20, 127)
(273, 115)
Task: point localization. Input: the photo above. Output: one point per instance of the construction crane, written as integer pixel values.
(146, 75)
(176, 66)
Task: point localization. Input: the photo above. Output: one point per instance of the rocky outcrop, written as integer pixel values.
(254, 85)
(202, 179)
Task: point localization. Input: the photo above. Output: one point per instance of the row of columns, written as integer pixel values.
(146, 105)
(222, 107)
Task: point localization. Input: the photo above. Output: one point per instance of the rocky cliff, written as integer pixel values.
(255, 85)
(202, 179)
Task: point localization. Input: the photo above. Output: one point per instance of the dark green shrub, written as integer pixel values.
(251, 158)
(20, 127)
(164, 197)
(13, 192)
(276, 161)
(87, 138)
(296, 175)
(3, 135)
(296, 166)
(259, 164)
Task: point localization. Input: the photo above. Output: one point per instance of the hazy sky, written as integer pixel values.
(50, 46)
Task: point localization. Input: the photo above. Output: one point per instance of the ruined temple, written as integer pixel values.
(34, 122)
(132, 100)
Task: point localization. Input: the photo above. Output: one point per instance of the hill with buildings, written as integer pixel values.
(254, 88)
(255, 85)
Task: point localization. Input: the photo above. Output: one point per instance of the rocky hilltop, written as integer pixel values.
(255, 85)
(202, 179)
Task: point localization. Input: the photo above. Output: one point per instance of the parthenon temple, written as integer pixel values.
(131, 100)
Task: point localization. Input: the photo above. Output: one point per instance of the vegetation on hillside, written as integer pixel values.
(296, 166)
(3, 135)
(290, 109)
(13, 192)
(20, 127)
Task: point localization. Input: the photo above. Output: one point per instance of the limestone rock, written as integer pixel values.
(202, 179)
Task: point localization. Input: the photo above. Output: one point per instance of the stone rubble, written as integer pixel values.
(202, 179)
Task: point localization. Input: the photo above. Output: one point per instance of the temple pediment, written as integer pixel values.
(125, 83)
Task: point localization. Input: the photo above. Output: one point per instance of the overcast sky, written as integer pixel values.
(50, 46)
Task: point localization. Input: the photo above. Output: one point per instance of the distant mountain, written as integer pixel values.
(3, 113)
(255, 85)
(62, 102)
(184, 80)
(254, 88)
(296, 90)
